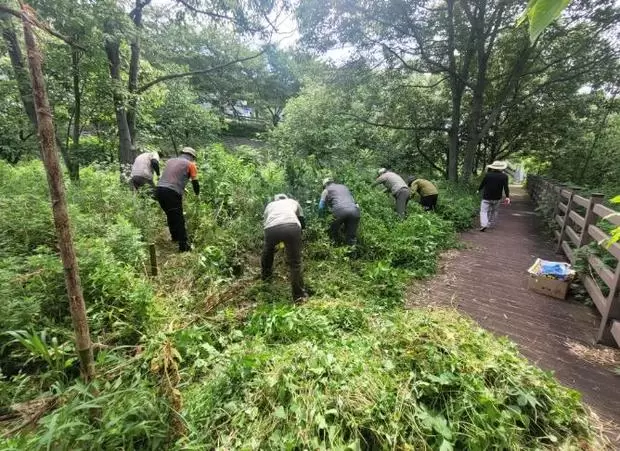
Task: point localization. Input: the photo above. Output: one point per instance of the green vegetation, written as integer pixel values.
(205, 355)
(226, 361)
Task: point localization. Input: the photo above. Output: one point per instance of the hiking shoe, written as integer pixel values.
(301, 299)
(482, 229)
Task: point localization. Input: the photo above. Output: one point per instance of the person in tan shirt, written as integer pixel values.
(426, 190)
(283, 222)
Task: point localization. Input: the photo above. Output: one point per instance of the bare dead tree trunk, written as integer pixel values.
(59, 203)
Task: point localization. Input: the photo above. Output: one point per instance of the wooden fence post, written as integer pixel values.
(153, 255)
(589, 218)
(569, 205)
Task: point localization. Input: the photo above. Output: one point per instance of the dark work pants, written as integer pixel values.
(142, 185)
(290, 235)
(429, 202)
(402, 199)
(138, 182)
(350, 221)
(172, 204)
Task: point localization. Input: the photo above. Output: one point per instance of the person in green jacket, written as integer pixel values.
(426, 190)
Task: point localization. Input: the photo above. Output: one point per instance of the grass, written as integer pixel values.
(206, 356)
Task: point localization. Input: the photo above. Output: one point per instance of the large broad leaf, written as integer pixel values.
(540, 13)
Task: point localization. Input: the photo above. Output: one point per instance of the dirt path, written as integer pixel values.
(488, 282)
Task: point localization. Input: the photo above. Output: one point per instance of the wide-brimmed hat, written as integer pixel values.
(280, 197)
(189, 151)
(498, 165)
(327, 181)
(381, 171)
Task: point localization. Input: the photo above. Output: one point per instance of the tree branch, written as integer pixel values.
(395, 127)
(31, 19)
(426, 157)
(152, 83)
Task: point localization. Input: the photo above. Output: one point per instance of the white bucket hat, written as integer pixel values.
(189, 151)
(280, 197)
(498, 165)
(381, 171)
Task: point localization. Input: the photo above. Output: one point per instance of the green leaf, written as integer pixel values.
(615, 200)
(541, 13)
(446, 446)
(280, 413)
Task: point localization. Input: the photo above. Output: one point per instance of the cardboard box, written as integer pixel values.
(550, 287)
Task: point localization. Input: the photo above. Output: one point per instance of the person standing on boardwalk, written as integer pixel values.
(142, 170)
(427, 191)
(346, 212)
(397, 186)
(283, 223)
(170, 191)
(494, 182)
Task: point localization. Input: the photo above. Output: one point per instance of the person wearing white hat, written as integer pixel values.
(283, 222)
(494, 182)
(170, 189)
(397, 186)
(346, 212)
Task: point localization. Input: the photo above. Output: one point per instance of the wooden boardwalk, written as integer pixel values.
(488, 282)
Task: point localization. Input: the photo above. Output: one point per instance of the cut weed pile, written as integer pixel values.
(206, 356)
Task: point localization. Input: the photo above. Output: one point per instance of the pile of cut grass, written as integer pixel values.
(336, 374)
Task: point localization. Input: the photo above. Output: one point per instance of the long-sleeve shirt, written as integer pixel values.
(339, 199)
(492, 185)
(283, 211)
(391, 181)
(424, 187)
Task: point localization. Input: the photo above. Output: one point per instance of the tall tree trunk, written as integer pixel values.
(456, 89)
(453, 139)
(77, 108)
(477, 101)
(24, 87)
(134, 68)
(60, 212)
(126, 152)
(132, 105)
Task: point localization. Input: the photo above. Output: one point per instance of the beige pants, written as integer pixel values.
(489, 210)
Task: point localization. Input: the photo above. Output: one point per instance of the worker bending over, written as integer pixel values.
(397, 186)
(427, 191)
(283, 222)
(142, 170)
(346, 212)
(170, 191)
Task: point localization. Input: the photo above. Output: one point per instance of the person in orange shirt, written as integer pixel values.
(170, 189)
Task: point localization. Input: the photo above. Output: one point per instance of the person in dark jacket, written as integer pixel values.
(170, 191)
(346, 212)
(494, 182)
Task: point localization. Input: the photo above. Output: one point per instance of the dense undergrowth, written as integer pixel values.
(206, 356)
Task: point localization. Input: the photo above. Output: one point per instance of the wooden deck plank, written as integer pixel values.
(488, 282)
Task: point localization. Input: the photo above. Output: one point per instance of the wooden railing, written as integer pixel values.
(578, 221)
